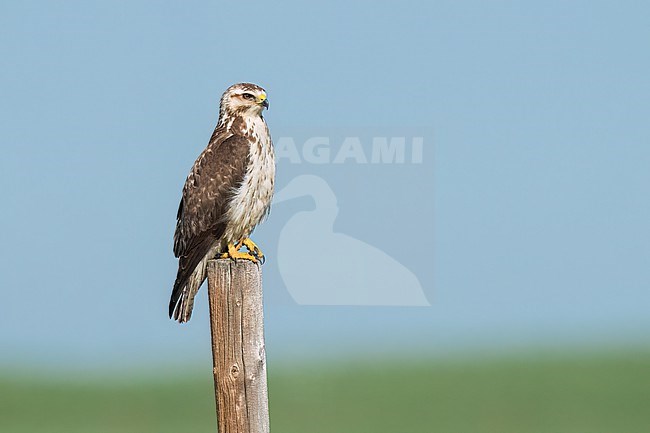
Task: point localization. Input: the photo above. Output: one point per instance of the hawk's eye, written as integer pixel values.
(248, 96)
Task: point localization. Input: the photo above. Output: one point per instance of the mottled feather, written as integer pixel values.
(226, 194)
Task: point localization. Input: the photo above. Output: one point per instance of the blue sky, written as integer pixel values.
(531, 200)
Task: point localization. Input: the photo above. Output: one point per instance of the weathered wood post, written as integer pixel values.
(238, 352)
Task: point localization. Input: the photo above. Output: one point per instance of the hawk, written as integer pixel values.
(227, 193)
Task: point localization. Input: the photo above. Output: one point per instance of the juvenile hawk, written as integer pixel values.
(227, 193)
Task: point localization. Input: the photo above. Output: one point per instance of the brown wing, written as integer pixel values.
(216, 175)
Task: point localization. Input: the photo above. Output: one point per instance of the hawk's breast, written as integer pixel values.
(252, 200)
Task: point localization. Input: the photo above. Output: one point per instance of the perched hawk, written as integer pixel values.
(226, 194)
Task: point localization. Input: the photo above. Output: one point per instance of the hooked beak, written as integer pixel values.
(263, 101)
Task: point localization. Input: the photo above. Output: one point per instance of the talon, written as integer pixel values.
(253, 249)
(234, 254)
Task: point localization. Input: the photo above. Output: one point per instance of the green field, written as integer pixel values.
(534, 394)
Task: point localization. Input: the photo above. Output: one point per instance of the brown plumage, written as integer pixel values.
(227, 193)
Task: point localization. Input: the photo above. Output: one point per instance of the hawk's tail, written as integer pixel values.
(185, 289)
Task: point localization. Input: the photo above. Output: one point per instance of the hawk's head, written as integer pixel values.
(244, 99)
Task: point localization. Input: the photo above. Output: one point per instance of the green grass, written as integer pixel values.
(581, 394)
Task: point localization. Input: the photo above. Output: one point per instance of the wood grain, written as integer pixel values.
(238, 352)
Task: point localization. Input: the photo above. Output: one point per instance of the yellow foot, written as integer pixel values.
(253, 249)
(234, 253)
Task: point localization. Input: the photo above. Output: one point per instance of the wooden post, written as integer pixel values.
(238, 352)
